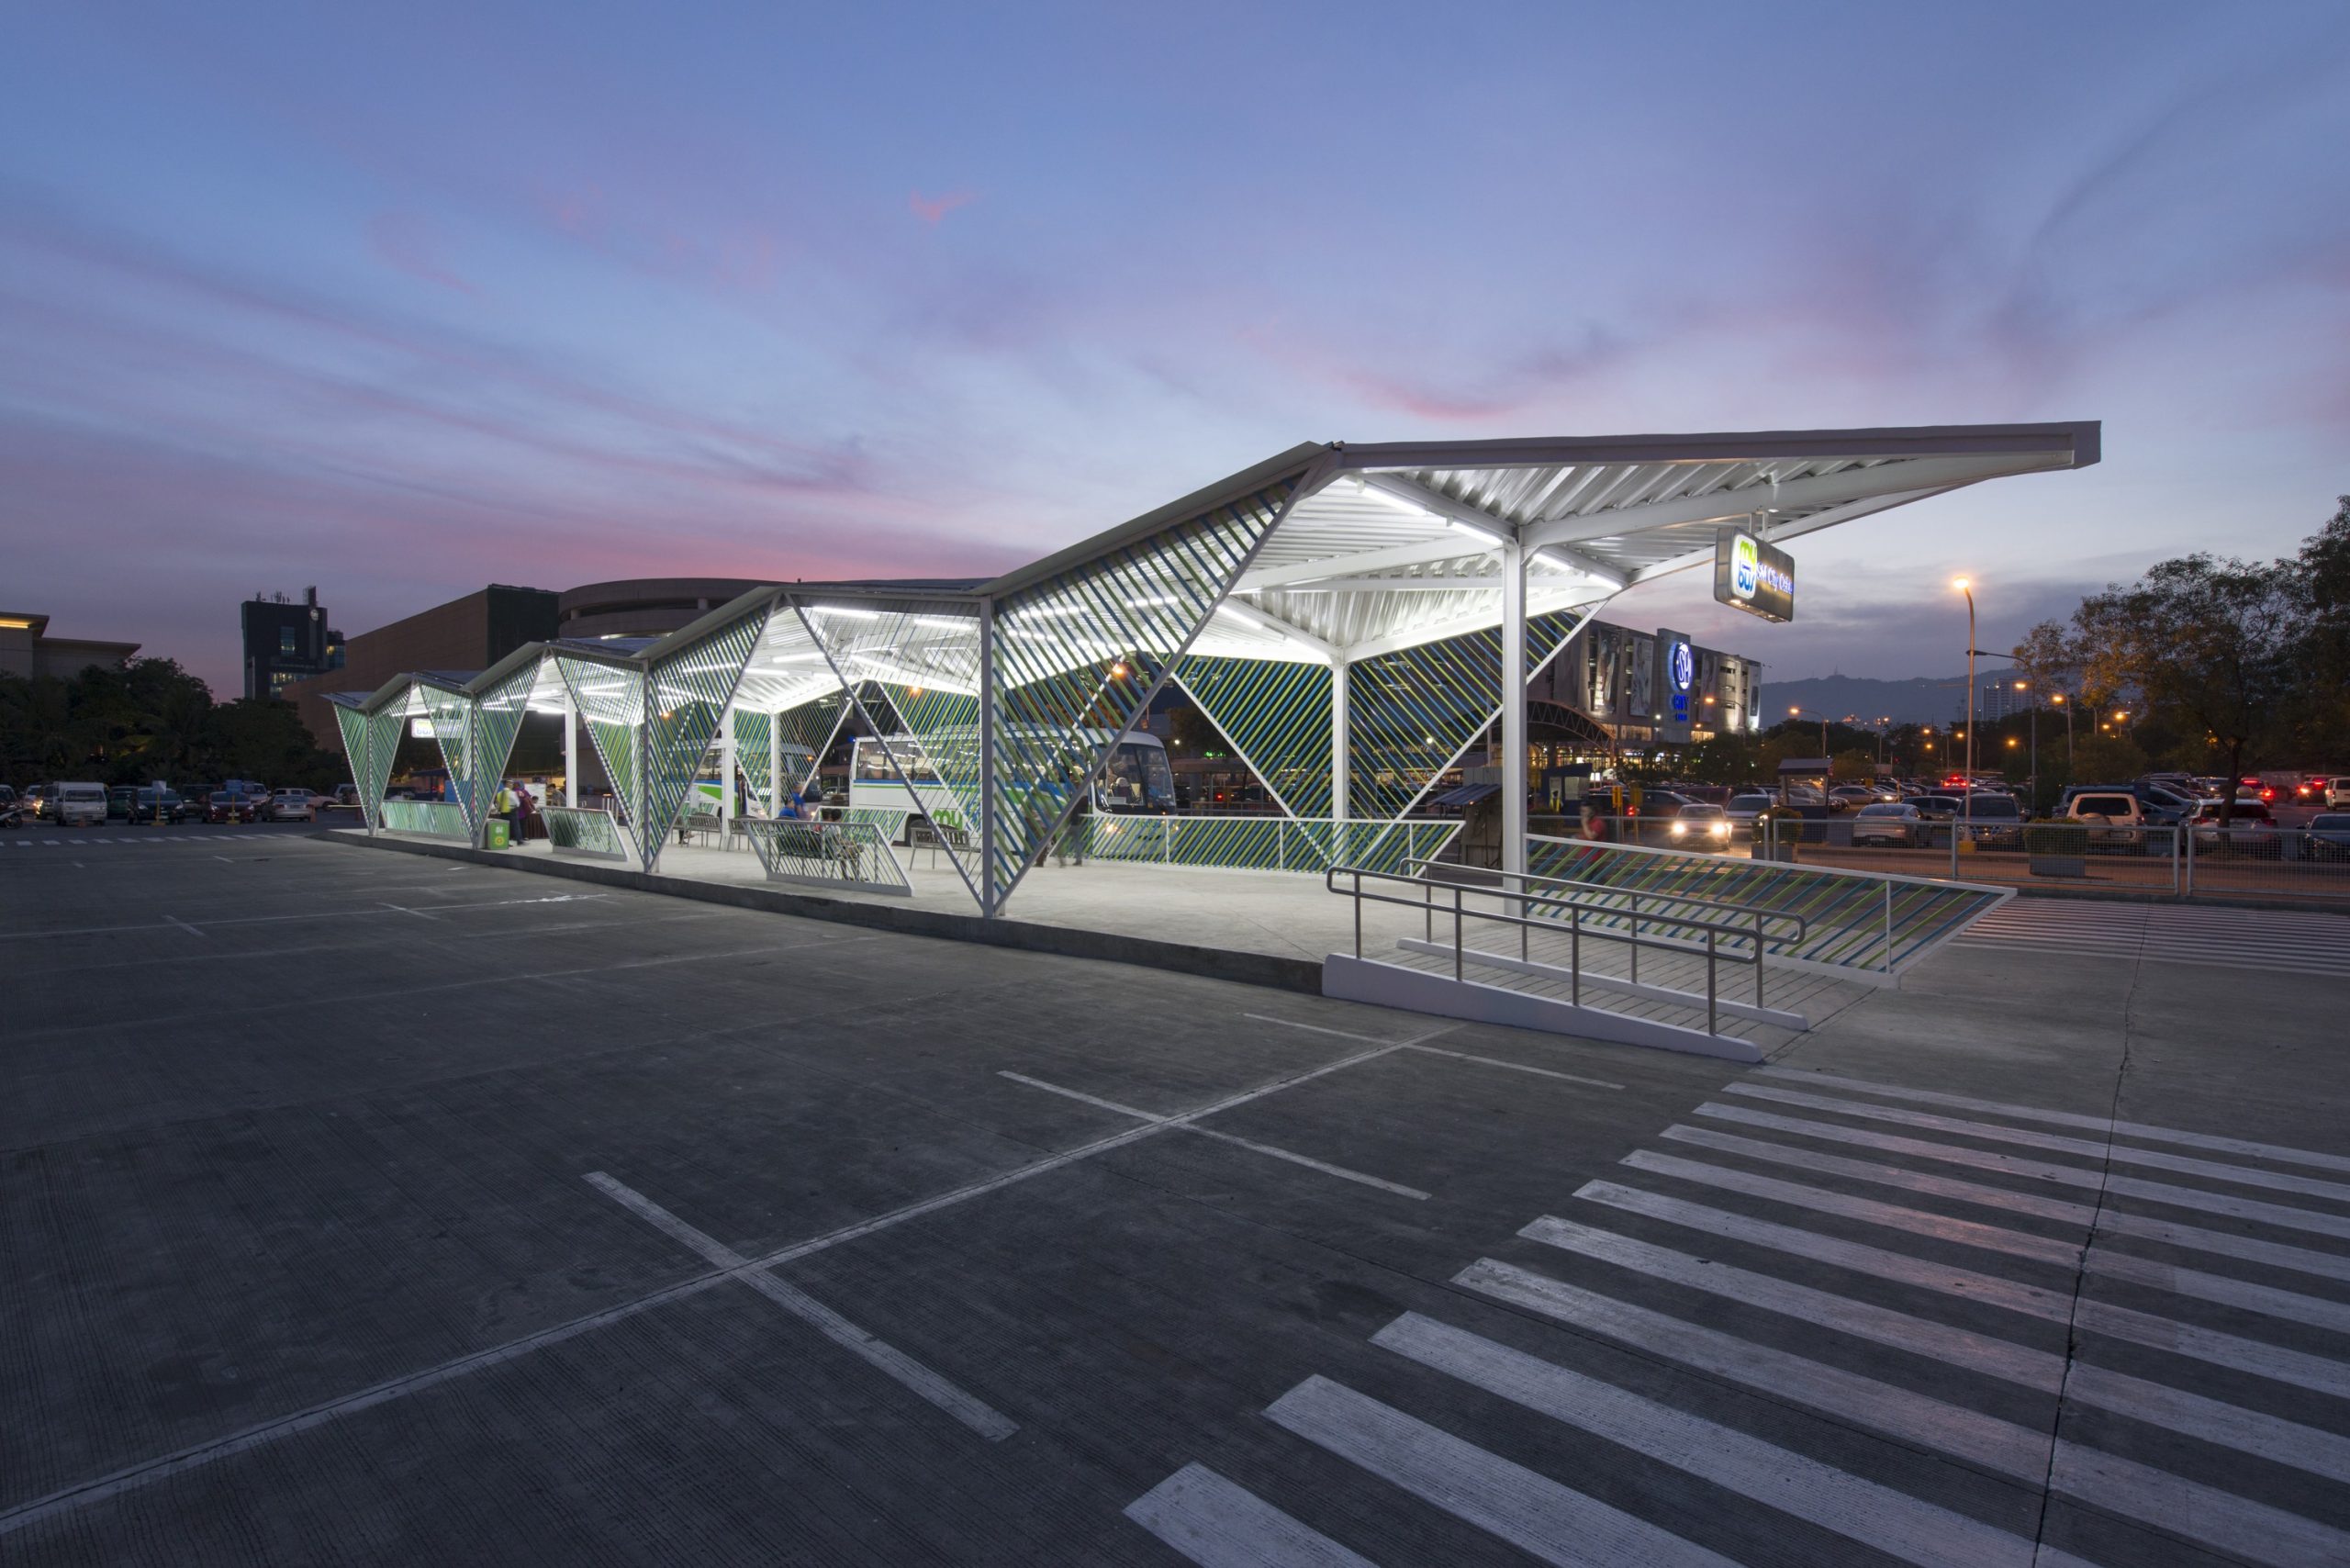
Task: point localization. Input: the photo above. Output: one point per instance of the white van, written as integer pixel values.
(80, 805)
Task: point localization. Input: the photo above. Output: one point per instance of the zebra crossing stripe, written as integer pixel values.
(1217, 1524)
(2003, 1447)
(2063, 1119)
(2193, 1283)
(1835, 1500)
(1548, 1521)
(2220, 1519)
(1997, 1445)
(2276, 1255)
(2243, 1175)
(2281, 1214)
(2254, 1356)
(1986, 1353)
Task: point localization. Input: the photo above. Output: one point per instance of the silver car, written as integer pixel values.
(1900, 825)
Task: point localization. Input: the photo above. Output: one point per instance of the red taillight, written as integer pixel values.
(2267, 795)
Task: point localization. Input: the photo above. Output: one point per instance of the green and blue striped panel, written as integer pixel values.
(609, 700)
(1276, 714)
(497, 719)
(451, 714)
(1057, 648)
(751, 732)
(352, 722)
(1410, 712)
(686, 695)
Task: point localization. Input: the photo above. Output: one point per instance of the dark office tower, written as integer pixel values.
(287, 640)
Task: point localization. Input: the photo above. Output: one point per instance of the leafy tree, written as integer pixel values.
(2207, 645)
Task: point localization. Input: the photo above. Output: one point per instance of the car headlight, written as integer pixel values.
(1720, 830)
(1680, 828)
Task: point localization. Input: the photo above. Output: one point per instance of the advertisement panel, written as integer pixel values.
(1676, 686)
(1751, 575)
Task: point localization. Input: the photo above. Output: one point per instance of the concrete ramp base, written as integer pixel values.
(1392, 985)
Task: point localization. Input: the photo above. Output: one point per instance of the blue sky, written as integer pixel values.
(401, 301)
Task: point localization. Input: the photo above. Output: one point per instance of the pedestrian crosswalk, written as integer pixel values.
(153, 837)
(2140, 1370)
(2314, 942)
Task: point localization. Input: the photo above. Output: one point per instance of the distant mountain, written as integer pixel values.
(1918, 702)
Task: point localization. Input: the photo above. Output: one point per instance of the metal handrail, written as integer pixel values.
(1803, 926)
(1573, 926)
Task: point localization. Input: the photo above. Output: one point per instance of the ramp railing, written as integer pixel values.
(1721, 931)
(832, 855)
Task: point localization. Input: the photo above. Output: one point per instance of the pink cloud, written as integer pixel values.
(406, 243)
(931, 210)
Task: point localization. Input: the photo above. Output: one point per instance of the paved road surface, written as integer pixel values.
(2281, 941)
(359, 1208)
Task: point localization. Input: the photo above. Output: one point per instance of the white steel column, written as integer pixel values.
(570, 752)
(1514, 785)
(726, 774)
(1341, 768)
(987, 759)
(775, 764)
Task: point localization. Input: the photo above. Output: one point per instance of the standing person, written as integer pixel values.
(507, 807)
(526, 811)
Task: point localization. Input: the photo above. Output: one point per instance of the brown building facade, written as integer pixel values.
(465, 636)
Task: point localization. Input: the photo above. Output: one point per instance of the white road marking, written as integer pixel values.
(1317, 1029)
(967, 1408)
(1518, 1067)
(1900, 1413)
(132, 1477)
(2066, 1119)
(1291, 1155)
(2124, 1154)
(1999, 1358)
(184, 925)
(321, 914)
(2069, 1175)
(2254, 1356)
(2235, 1525)
(2214, 1421)
(1821, 1494)
(2109, 1221)
(1553, 1523)
(405, 910)
(1219, 1524)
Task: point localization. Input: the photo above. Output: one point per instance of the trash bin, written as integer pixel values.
(497, 837)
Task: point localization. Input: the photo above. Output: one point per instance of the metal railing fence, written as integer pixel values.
(1266, 843)
(833, 854)
(432, 818)
(589, 835)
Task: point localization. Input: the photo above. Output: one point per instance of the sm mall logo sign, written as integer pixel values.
(1751, 575)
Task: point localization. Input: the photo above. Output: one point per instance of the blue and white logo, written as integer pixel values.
(1685, 667)
(1745, 566)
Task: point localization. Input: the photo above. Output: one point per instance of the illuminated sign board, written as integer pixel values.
(1676, 686)
(1751, 575)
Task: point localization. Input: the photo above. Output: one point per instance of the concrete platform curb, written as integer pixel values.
(1215, 963)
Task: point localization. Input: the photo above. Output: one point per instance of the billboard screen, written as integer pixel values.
(1676, 685)
(1751, 575)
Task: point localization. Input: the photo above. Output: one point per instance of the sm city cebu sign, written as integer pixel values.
(1677, 685)
(1751, 575)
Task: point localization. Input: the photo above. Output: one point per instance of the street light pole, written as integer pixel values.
(1960, 584)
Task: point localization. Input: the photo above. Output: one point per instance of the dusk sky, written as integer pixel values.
(402, 299)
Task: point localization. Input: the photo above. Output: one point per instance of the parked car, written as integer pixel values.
(150, 805)
(1994, 822)
(2116, 817)
(1699, 827)
(40, 800)
(2251, 829)
(345, 798)
(293, 806)
(1900, 824)
(1850, 797)
(2158, 805)
(234, 804)
(118, 802)
(2337, 794)
(80, 805)
(1744, 809)
(2329, 836)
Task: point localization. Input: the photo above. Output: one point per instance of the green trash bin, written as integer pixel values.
(498, 835)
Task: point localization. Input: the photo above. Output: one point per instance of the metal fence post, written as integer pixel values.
(1456, 931)
(2177, 885)
(2187, 861)
(1889, 928)
(1575, 953)
(1712, 1025)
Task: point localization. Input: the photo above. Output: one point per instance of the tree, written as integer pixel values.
(2207, 647)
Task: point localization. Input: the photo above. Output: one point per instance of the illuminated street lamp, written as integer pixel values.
(1963, 585)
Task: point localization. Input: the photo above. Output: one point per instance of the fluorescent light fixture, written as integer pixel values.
(953, 622)
(1151, 602)
(795, 658)
(1236, 613)
(1050, 611)
(845, 614)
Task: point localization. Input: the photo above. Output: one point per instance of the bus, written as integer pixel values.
(751, 776)
(1134, 781)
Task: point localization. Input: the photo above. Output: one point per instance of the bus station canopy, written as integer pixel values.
(1345, 615)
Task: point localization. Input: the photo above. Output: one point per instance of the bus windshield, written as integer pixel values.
(1137, 778)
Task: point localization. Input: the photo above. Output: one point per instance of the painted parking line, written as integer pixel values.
(2227, 1204)
(1794, 1483)
(965, 1407)
(1291, 1155)
(1549, 1521)
(2105, 1125)
(1217, 1524)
